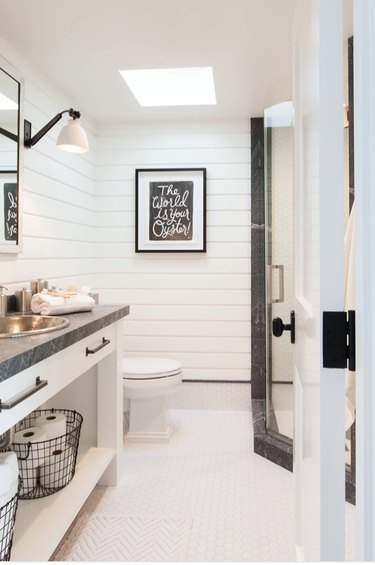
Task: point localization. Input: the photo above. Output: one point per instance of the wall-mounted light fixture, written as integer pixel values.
(71, 138)
(9, 134)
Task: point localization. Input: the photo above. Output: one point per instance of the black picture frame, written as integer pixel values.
(170, 210)
(9, 213)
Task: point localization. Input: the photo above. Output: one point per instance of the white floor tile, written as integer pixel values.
(234, 505)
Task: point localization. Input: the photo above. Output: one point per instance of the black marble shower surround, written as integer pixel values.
(268, 445)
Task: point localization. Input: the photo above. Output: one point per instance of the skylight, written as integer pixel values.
(191, 86)
(6, 103)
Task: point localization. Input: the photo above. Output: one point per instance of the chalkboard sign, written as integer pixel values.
(171, 211)
(10, 211)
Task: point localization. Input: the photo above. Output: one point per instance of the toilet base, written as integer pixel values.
(149, 437)
(149, 421)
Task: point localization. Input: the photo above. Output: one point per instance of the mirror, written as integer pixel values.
(10, 120)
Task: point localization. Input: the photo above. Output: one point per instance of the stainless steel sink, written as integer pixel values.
(19, 326)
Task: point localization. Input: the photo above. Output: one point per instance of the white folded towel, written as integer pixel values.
(50, 303)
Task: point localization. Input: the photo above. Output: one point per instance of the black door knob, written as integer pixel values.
(278, 327)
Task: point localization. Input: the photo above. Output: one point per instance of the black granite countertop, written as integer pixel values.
(19, 353)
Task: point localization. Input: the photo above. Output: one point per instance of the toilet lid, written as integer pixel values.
(149, 367)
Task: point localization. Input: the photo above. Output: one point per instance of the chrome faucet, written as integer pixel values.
(3, 301)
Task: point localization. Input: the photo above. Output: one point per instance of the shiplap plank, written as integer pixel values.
(200, 361)
(49, 269)
(34, 204)
(220, 218)
(183, 328)
(183, 312)
(58, 229)
(37, 183)
(215, 170)
(173, 281)
(36, 161)
(155, 155)
(196, 345)
(175, 297)
(168, 140)
(178, 265)
(197, 128)
(42, 248)
(119, 243)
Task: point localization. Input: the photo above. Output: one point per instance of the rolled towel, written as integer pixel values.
(8, 489)
(8, 476)
(52, 303)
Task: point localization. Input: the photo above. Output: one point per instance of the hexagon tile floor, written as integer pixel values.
(203, 497)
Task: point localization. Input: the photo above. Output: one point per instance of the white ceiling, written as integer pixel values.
(80, 45)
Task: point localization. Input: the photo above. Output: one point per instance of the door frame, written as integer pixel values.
(319, 442)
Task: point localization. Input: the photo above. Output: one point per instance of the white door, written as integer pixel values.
(364, 144)
(319, 442)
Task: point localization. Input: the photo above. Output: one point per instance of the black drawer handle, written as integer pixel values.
(103, 344)
(21, 397)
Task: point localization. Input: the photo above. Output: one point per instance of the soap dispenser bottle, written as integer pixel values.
(3, 301)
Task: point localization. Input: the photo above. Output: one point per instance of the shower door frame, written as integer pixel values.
(272, 446)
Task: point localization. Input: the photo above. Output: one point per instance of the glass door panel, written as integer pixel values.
(278, 122)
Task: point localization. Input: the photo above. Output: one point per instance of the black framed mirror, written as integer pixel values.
(10, 158)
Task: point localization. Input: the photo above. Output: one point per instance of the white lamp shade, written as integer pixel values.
(73, 138)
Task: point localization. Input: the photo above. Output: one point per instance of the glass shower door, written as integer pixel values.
(278, 142)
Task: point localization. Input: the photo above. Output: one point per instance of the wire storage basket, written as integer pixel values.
(7, 521)
(46, 461)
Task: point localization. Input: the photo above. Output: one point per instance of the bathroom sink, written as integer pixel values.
(22, 325)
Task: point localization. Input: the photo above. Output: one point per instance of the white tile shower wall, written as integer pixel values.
(58, 195)
(195, 307)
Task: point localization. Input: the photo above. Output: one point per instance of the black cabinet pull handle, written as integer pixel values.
(21, 397)
(96, 349)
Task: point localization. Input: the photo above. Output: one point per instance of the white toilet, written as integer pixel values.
(148, 381)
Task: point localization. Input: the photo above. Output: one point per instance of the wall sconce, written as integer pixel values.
(71, 138)
(9, 134)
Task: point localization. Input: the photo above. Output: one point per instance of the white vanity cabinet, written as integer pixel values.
(92, 368)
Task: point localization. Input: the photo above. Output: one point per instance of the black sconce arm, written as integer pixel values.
(9, 134)
(30, 141)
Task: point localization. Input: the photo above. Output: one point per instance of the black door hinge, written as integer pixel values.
(339, 340)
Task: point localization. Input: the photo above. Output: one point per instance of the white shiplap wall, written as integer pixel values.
(195, 307)
(58, 196)
(78, 228)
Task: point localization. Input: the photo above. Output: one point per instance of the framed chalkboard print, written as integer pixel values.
(170, 210)
(8, 208)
